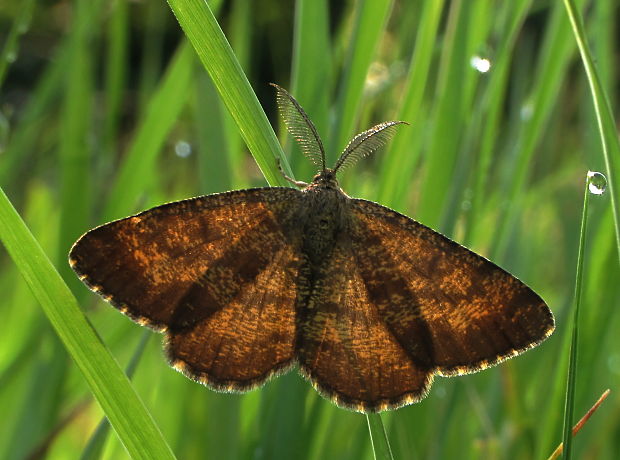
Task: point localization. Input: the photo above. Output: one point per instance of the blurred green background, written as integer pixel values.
(106, 110)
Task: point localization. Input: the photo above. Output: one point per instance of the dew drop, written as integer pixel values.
(526, 112)
(613, 363)
(378, 75)
(597, 182)
(183, 149)
(482, 65)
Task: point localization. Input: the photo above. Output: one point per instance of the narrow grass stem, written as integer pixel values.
(378, 438)
(602, 109)
(579, 425)
(572, 363)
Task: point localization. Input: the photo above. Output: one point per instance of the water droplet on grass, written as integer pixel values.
(613, 363)
(597, 182)
(481, 64)
(183, 149)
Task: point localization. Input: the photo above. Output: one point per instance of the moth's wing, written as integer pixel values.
(346, 349)
(217, 273)
(449, 308)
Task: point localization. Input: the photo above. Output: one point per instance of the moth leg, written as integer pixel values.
(298, 183)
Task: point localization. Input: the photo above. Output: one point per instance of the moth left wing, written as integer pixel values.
(448, 307)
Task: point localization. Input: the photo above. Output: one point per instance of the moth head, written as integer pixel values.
(325, 178)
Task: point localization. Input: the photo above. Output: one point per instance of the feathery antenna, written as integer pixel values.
(366, 143)
(300, 126)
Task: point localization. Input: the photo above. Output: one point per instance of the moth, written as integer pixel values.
(369, 304)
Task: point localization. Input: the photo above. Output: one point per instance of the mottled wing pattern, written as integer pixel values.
(217, 273)
(346, 350)
(449, 308)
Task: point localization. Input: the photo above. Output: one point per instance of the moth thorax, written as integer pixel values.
(323, 222)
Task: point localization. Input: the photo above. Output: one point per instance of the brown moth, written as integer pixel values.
(368, 303)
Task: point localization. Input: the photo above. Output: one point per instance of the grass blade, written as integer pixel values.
(311, 72)
(160, 115)
(96, 443)
(555, 56)
(448, 112)
(378, 437)
(397, 166)
(207, 38)
(370, 22)
(11, 45)
(110, 386)
(572, 362)
(115, 72)
(579, 425)
(604, 114)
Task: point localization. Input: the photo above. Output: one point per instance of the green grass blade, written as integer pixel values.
(214, 150)
(240, 37)
(552, 62)
(161, 113)
(571, 383)
(604, 114)
(207, 38)
(110, 386)
(154, 18)
(115, 71)
(311, 71)
(378, 437)
(398, 165)
(24, 327)
(96, 443)
(11, 43)
(75, 125)
(239, 20)
(452, 103)
(492, 105)
(24, 135)
(370, 22)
